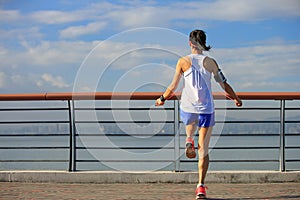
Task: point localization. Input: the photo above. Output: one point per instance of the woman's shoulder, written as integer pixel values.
(185, 60)
(184, 63)
(210, 64)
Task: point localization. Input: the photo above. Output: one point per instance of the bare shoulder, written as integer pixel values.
(210, 64)
(185, 60)
(184, 63)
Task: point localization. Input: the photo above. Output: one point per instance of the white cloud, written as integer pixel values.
(264, 66)
(267, 66)
(94, 11)
(23, 67)
(269, 86)
(240, 10)
(11, 38)
(126, 55)
(9, 15)
(24, 82)
(46, 53)
(56, 81)
(272, 67)
(151, 13)
(76, 31)
(143, 14)
(56, 17)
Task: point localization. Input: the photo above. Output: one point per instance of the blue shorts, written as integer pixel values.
(203, 120)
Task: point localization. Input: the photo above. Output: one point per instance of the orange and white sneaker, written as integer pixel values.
(190, 148)
(201, 192)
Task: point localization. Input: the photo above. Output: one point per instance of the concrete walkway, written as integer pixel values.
(156, 191)
(146, 185)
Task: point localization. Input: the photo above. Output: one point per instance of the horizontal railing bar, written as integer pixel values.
(184, 161)
(34, 160)
(250, 121)
(32, 109)
(23, 97)
(237, 148)
(137, 109)
(292, 160)
(224, 148)
(292, 147)
(166, 134)
(171, 135)
(219, 148)
(107, 109)
(292, 134)
(33, 135)
(292, 108)
(140, 96)
(231, 161)
(124, 160)
(58, 147)
(145, 108)
(128, 148)
(126, 135)
(125, 122)
(243, 135)
(248, 135)
(248, 108)
(112, 122)
(227, 122)
(291, 122)
(33, 122)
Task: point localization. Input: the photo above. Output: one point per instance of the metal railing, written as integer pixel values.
(55, 131)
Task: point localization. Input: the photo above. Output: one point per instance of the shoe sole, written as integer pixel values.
(201, 196)
(190, 151)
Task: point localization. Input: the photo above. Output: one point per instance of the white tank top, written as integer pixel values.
(197, 96)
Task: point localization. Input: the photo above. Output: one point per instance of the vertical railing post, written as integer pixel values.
(177, 136)
(70, 135)
(72, 138)
(282, 136)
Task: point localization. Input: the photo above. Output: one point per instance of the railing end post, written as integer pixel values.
(282, 163)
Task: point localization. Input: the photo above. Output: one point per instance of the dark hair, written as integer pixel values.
(198, 39)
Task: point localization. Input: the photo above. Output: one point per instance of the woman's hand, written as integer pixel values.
(238, 102)
(159, 102)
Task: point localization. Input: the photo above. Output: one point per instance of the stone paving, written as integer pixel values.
(45, 191)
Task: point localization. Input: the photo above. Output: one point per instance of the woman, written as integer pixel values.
(197, 107)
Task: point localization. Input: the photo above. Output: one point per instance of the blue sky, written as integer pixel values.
(54, 46)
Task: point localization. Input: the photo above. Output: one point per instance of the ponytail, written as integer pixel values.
(198, 39)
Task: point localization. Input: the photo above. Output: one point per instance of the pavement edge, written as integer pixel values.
(107, 177)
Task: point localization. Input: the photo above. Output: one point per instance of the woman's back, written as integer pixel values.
(197, 95)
